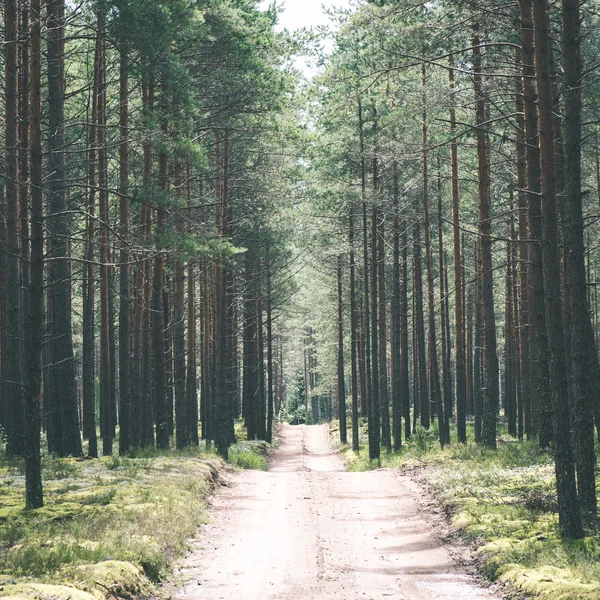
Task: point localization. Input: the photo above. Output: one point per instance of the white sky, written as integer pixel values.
(305, 13)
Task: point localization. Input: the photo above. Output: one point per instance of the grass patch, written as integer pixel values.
(249, 455)
(505, 501)
(109, 527)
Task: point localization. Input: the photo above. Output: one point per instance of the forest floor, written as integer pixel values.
(310, 530)
(109, 528)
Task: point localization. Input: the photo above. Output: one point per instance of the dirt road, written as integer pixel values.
(308, 530)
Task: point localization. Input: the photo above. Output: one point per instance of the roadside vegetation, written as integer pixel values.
(504, 502)
(110, 527)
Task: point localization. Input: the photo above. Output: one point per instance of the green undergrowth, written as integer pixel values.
(249, 455)
(505, 502)
(109, 527)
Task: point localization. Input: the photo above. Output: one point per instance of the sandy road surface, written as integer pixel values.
(308, 530)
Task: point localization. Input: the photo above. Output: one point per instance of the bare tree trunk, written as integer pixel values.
(341, 380)
(445, 315)
(106, 383)
(404, 350)
(191, 367)
(25, 259)
(374, 413)
(397, 387)
(459, 309)
(182, 429)
(386, 438)
(490, 400)
(161, 417)
(366, 398)
(89, 317)
(537, 336)
(354, 335)
(270, 399)
(33, 470)
(62, 399)
(584, 355)
(13, 326)
(477, 366)
(523, 310)
(125, 413)
(434, 372)
(421, 360)
(568, 504)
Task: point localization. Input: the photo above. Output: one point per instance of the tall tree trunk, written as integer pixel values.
(477, 366)
(168, 325)
(397, 387)
(182, 429)
(420, 356)
(353, 335)
(260, 372)
(341, 380)
(584, 355)
(191, 367)
(434, 372)
(250, 354)
(404, 350)
(62, 400)
(33, 470)
(459, 308)
(523, 304)
(568, 504)
(24, 181)
(537, 335)
(89, 311)
(491, 399)
(374, 413)
(270, 398)
(386, 438)
(220, 337)
(13, 375)
(106, 383)
(366, 399)
(125, 413)
(161, 416)
(509, 346)
(446, 347)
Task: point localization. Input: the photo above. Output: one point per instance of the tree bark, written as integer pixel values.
(89, 312)
(421, 361)
(13, 326)
(568, 503)
(397, 387)
(459, 309)
(491, 398)
(341, 380)
(33, 469)
(434, 371)
(125, 413)
(584, 355)
(353, 334)
(63, 423)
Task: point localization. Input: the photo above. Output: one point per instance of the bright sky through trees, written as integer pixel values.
(306, 13)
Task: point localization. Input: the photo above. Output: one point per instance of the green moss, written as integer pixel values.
(45, 591)
(129, 521)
